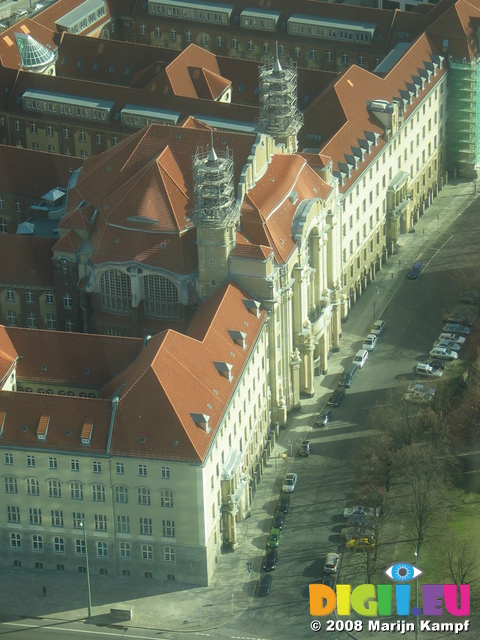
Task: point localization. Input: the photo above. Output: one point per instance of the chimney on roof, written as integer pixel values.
(239, 337)
(201, 420)
(253, 307)
(224, 369)
(42, 428)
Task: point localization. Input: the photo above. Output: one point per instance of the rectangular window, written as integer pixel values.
(97, 467)
(13, 514)
(48, 297)
(168, 528)
(58, 545)
(15, 541)
(123, 524)
(67, 301)
(9, 458)
(30, 461)
(11, 484)
(98, 493)
(57, 517)
(11, 318)
(100, 522)
(146, 527)
(35, 516)
(121, 495)
(165, 473)
(142, 470)
(31, 321)
(51, 321)
(76, 491)
(74, 465)
(78, 519)
(120, 468)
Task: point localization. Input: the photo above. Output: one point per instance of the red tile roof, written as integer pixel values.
(26, 260)
(70, 242)
(67, 416)
(9, 54)
(79, 219)
(175, 377)
(195, 74)
(44, 170)
(42, 428)
(458, 24)
(268, 210)
(71, 359)
(143, 191)
(8, 354)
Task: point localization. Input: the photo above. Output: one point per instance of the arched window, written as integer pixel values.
(116, 292)
(161, 297)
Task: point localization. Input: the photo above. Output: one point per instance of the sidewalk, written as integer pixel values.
(201, 609)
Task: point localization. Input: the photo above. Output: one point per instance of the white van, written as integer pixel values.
(426, 370)
(443, 353)
(361, 358)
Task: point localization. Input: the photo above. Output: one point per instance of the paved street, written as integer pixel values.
(229, 609)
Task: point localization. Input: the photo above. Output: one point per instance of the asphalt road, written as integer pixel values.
(414, 321)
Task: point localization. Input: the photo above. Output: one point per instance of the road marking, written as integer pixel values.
(74, 630)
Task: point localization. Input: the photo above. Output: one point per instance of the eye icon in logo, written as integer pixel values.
(402, 572)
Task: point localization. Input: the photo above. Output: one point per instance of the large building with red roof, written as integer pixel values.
(155, 446)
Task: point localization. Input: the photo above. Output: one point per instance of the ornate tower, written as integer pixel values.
(216, 215)
(279, 114)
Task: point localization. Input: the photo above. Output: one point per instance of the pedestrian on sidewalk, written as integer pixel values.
(44, 591)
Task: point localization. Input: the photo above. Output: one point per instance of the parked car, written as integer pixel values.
(436, 363)
(360, 358)
(415, 271)
(273, 538)
(330, 581)
(284, 503)
(461, 329)
(360, 544)
(457, 317)
(470, 297)
(21, 13)
(305, 448)
(348, 512)
(336, 398)
(290, 482)
(349, 375)
(356, 532)
(278, 520)
(323, 418)
(443, 353)
(331, 563)
(270, 560)
(453, 337)
(448, 344)
(424, 369)
(264, 585)
(370, 342)
(378, 327)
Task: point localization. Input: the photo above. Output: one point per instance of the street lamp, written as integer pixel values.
(89, 592)
(416, 595)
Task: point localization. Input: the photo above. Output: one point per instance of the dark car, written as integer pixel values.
(284, 503)
(336, 398)
(330, 581)
(415, 271)
(323, 418)
(458, 318)
(278, 520)
(436, 363)
(270, 560)
(305, 449)
(264, 584)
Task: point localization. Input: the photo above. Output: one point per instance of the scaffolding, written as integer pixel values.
(463, 120)
(279, 114)
(214, 202)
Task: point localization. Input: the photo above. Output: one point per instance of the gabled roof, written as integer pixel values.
(44, 170)
(67, 414)
(458, 25)
(71, 359)
(195, 74)
(8, 354)
(143, 190)
(269, 207)
(70, 242)
(175, 378)
(26, 259)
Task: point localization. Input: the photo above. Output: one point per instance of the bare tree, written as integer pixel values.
(462, 562)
